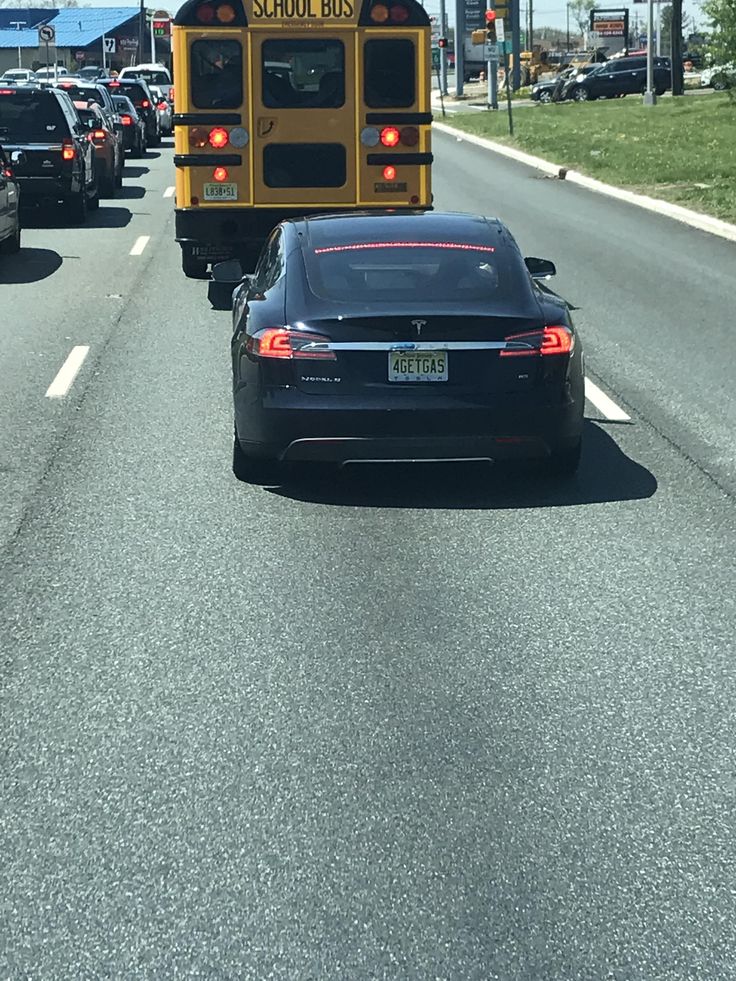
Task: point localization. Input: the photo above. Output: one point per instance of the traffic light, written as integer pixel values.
(491, 26)
(442, 42)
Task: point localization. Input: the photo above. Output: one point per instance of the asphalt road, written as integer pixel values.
(410, 723)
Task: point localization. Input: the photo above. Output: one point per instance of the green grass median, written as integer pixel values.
(682, 150)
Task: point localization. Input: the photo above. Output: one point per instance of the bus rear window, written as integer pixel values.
(303, 74)
(304, 165)
(389, 73)
(217, 74)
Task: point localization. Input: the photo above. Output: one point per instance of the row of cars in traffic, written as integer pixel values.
(619, 77)
(63, 143)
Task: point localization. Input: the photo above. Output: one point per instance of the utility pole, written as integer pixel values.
(530, 38)
(460, 31)
(678, 80)
(141, 32)
(650, 98)
(568, 28)
(443, 51)
(17, 24)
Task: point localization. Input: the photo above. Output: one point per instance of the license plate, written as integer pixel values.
(221, 192)
(417, 366)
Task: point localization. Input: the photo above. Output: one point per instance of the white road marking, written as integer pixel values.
(607, 407)
(67, 373)
(140, 243)
(169, 192)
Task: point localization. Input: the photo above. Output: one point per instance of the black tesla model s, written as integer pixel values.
(400, 337)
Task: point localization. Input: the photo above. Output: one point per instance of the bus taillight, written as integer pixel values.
(390, 136)
(198, 137)
(389, 173)
(220, 174)
(218, 137)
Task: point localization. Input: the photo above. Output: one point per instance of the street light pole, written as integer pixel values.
(568, 28)
(650, 99)
(17, 24)
(443, 51)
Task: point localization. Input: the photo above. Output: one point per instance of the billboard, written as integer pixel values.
(610, 23)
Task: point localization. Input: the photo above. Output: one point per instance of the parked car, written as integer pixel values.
(719, 77)
(551, 89)
(91, 93)
(9, 205)
(140, 95)
(19, 76)
(164, 110)
(406, 337)
(616, 78)
(134, 128)
(56, 165)
(157, 75)
(108, 149)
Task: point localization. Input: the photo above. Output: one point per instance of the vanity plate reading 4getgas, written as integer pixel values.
(417, 366)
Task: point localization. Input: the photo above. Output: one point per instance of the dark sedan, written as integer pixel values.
(617, 78)
(400, 337)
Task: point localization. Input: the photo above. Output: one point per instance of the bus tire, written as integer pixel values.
(192, 266)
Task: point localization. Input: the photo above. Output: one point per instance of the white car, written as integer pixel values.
(157, 75)
(18, 75)
(49, 74)
(719, 77)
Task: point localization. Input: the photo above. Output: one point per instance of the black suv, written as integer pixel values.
(56, 163)
(618, 77)
(140, 95)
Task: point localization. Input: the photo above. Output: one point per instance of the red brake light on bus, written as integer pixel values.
(220, 174)
(399, 14)
(218, 137)
(198, 137)
(389, 173)
(225, 13)
(390, 136)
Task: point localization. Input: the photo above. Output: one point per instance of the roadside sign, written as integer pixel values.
(161, 28)
(490, 52)
(109, 45)
(128, 43)
(46, 34)
(500, 34)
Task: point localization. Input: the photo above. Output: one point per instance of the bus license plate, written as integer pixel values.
(417, 366)
(221, 192)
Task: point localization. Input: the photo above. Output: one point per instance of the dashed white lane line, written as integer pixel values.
(169, 192)
(607, 407)
(140, 243)
(67, 373)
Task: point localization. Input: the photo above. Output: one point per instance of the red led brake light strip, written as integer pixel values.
(463, 247)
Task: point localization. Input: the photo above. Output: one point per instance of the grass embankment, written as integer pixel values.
(683, 150)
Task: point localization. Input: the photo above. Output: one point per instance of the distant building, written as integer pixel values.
(79, 37)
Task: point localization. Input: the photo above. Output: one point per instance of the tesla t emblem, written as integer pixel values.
(418, 324)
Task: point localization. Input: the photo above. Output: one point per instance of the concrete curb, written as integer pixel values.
(705, 223)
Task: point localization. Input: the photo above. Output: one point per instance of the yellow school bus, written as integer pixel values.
(295, 107)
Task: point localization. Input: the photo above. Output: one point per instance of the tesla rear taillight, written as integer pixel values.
(548, 340)
(280, 342)
(68, 151)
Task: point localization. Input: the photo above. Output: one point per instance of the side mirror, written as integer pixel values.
(226, 277)
(18, 158)
(229, 271)
(540, 268)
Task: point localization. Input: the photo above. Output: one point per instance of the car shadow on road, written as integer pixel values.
(130, 192)
(29, 266)
(106, 216)
(606, 474)
(131, 170)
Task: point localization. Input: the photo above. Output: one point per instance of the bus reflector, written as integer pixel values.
(389, 173)
(410, 136)
(390, 136)
(399, 14)
(369, 136)
(220, 174)
(198, 137)
(218, 137)
(379, 13)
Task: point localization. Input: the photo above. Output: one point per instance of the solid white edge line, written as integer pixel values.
(695, 219)
(169, 192)
(140, 243)
(67, 373)
(606, 406)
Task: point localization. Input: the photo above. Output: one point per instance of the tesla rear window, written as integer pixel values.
(383, 272)
(33, 116)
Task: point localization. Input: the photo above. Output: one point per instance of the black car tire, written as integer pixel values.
(11, 245)
(192, 266)
(253, 470)
(154, 139)
(77, 207)
(580, 94)
(659, 92)
(138, 150)
(565, 462)
(94, 202)
(106, 184)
